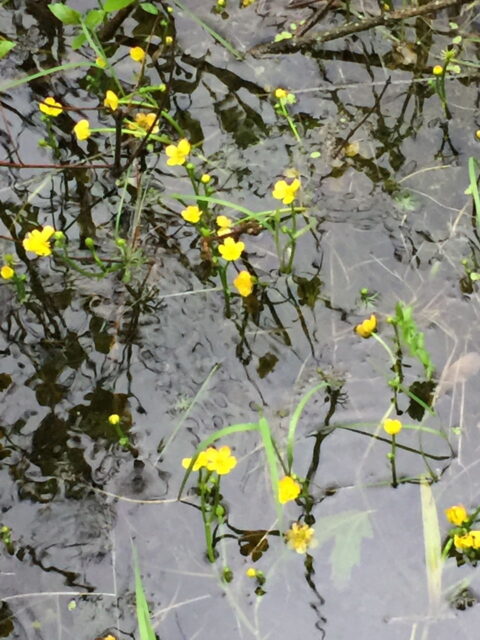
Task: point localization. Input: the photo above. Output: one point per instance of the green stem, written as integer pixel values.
(202, 483)
(393, 464)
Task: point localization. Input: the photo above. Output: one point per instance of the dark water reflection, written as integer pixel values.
(393, 218)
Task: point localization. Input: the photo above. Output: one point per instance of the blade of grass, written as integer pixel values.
(26, 79)
(145, 628)
(229, 47)
(270, 454)
(433, 546)
(292, 428)
(472, 174)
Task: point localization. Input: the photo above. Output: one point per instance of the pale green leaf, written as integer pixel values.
(149, 8)
(78, 41)
(5, 47)
(347, 530)
(116, 5)
(65, 14)
(94, 18)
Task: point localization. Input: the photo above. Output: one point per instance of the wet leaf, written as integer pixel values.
(5, 381)
(149, 8)
(347, 530)
(65, 14)
(266, 364)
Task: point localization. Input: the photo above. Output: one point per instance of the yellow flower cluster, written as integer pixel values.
(470, 540)
(224, 225)
(288, 489)
(39, 241)
(457, 514)
(367, 327)
(300, 537)
(219, 460)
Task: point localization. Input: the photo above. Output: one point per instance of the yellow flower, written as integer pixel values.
(224, 223)
(251, 572)
(286, 192)
(367, 327)
(475, 534)
(300, 537)
(231, 250)
(168, 40)
(111, 100)
(392, 427)
(82, 130)
(201, 460)
(463, 542)
(144, 121)
(281, 93)
(437, 70)
(219, 460)
(114, 418)
(247, 3)
(7, 272)
(38, 241)
(244, 283)
(100, 62)
(177, 155)
(288, 489)
(223, 462)
(457, 514)
(205, 178)
(191, 214)
(51, 107)
(137, 54)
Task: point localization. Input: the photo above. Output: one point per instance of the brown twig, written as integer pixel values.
(385, 19)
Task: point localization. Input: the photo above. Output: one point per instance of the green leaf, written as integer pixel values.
(347, 530)
(78, 41)
(5, 47)
(149, 8)
(65, 14)
(94, 18)
(116, 5)
(145, 628)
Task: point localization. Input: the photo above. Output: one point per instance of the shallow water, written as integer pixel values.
(79, 350)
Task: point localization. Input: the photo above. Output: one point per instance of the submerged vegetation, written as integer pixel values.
(239, 301)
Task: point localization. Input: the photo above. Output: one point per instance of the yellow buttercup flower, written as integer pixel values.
(224, 225)
(143, 122)
(437, 70)
(100, 62)
(286, 192)
(111, 100)
(219, 460)
(281, 93)
(244, 283)
(205, 178)
(177, 154)
(223, 462)
(231, 250)
(168, 40)
(475, 534)
(367, 327)
(137, 54)
(38, 241)
(50, 107)
(392, 427)
(300, 537)
(7, 272)
(191, 214)
(82, 130)
(457, 514)
(114, 418)
(288, 489)
(463, 542)
(251, 572)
